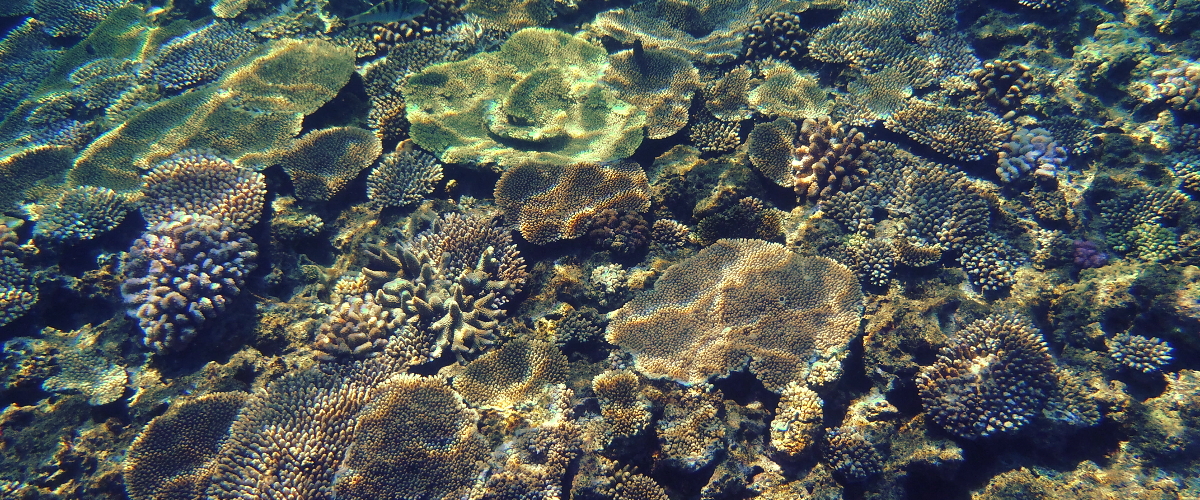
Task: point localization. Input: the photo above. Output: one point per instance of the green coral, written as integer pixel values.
(250, 115)
(539, 98)
(1152, 242)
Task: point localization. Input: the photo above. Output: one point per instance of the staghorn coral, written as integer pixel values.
(874, 96)
(1003, 84)
(552, 202)
(911, 35)
(782, 91)
(692, 433)
(322, 162)
(776, 35)
(73, 17)
(738, 301)
(504, 378)
(705, 31)
(403, 177)
(202, 183)
(414, 438)
(1030, 151)
(992, 378)
(797, 421)
(1147, 355)
(170, 458)
(181, 274)
(18, 291)
(199, 57)
(955, 132)
(657, 82)
(1177, 85)
(451, 282)
(818, 160)
(78, 214)
(537, 99)
(850, 454)
(624, 408)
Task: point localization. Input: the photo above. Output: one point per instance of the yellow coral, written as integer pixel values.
(514, 373)
(552, 202)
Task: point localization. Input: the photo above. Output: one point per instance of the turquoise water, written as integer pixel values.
(596, 249)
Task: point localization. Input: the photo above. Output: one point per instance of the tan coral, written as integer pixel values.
(820, 159)
(707, 31)
(322, 162)
(727, 97)
(623, 407)
(199, 182)
(798, 421)
(954, 132)
(553, 202)
(874, 96)
(503, 378)
(785, 92)
(657, 82)
(738, 301)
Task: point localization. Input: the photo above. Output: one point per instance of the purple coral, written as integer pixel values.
(1088, 255)
(181, 274)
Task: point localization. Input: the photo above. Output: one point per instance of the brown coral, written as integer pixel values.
(726, 97)
(505, 377)
(1003, 83)
(552, 202)
(621, 403)
(200, 182)
(740, 300)
(798, 419)
(820, 160)
(660, 83)
(785, 92)
(322, 162)
(954, 132)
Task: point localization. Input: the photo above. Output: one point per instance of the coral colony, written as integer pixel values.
(594, 250)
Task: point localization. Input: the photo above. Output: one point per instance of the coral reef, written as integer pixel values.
(551, 202)
(1147, 355)
(18, 292)
(798, 419)
(78, 214)
(692, 432)
(1177, 85)
(202, 183)
(1003, 84)
(657, 82)
(955, 132)
(181, 274)
(776, 35)
(740, 300)
(625, 410)
(783, 91)
(992, 378)
(200, 56)
(73, 18)
(322, 162)
(818, 160)
(403, 177)
(706, 31)
(506, 377)
(850, 454)
(1030, 151)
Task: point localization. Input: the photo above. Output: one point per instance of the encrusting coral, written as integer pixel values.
(791, 317)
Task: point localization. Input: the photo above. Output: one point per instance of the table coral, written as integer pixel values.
(739, 301)
(955, 132)
(992, 378)
(322, 162)
(199, 57)
(552, 202)
(783, 91)
(506, 377)
(73, 17)
(706, 31)
(657, 82)
(201, 182)
(181, 274)
(538, 98)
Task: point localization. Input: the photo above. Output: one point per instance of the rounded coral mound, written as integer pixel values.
(737, 301)
(553, 202)
(818, 160)
(181, 274)
(994, 377)
(200, 182)
(322, 162)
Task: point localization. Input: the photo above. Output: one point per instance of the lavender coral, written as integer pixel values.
(1028, 151)
(183, 273)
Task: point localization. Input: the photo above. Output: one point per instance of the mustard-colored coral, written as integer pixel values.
(798, 419)
(738, 301)
(322, 162)
(552, 202)
(538, 98)
(622, 405)
(660, 83)
(785, 92)
(512, 374)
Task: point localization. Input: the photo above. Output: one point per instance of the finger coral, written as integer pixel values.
(1147, 355)
(202, 183)
(818, 160)
(992, 378)
(739, 301)
(776, 35)
(797, 421)
(553, 202)
(322, 162)
(622, 405)
(181, 274)
(538, 98)
(1004, 84)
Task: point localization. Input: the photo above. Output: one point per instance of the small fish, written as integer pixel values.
(391, 11)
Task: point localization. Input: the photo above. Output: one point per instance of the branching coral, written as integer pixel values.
(404, 177)
(797, 422)
(538, 98)
(552, 202)
(739, 301)
(1147, 355)
(705, 31)
(322, 162)
(509, 376)
(78, 214)
(993, 377)
(954, 132)
(622, 405)
(1178, 86)
(200, 56)
(776, 35)
(818, 160)
(181, 274)
(18, 292)
(1003, 84)
(202, 183)
(692, 432)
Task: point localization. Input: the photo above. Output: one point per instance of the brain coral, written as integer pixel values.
(739, 301)
(322, 162)
(657, 82)
(553, 202)
(537, 98)
(506, 377)
(200, 182)
(182, 273)
(993, 377)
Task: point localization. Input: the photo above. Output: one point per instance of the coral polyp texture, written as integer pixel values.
(404, 177)
(509, 376)
(1136, 352)
(1030, 151)
(79, 214)
(183, 273)
(776, 35)
(993, 378)
(797, 422)
(817, 160)
(624, 408)
(1004, 84)
(739, 301)
(657, 82)
(322, 162)
(200, 56)
(783, 91)
(538, 98)
(707, 31)
(203, 183)
(18, 292)
(554, 202)
(955, 132)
